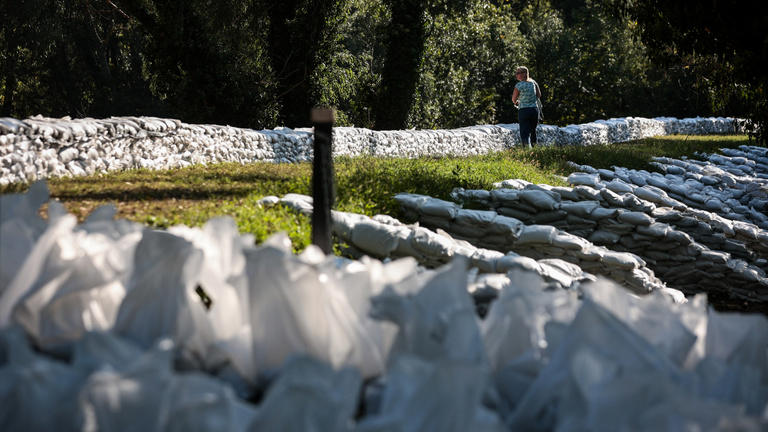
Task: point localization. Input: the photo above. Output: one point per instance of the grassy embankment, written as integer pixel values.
(193, 195)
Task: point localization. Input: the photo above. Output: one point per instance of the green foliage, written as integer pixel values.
(465, 76)
(589, 64)
(69, 58)
(350, 78)
(724, 44)
(381, 63)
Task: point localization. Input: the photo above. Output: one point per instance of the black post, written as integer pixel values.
(323, 190)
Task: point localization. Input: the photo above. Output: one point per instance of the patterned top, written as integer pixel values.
(527, 97)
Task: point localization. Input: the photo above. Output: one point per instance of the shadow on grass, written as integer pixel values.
(144, 193)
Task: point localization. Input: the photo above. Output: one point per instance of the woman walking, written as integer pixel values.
(524, 97)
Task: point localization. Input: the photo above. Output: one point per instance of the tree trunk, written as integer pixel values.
(296, 35)
(401, 66)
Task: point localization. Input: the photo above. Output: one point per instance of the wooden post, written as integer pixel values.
(323, 189)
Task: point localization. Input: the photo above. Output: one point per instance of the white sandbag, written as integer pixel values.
(20, 227)
(602, 213)
(298, 307)
(603, 237)
(581, 208)
(507, 226)
(585, 179)
(82, 283)
(580, 360)
(432, 244)
(672, 329)
(738, 338)
(27, 275)
(536, 234)
(569, 241)
(375, 238)
(656, 229)
(100, 350)
(169, 264)
(443, 395)
(650, 401)
(554, 274)
(439, 208)
(505, 195)
(146, 395)
(539, 199)
(268, 201)
(635, 218)
(438, 322)
(512, 261)
(309, 396)
(516, 321)
(31, 384)
(298, 202)
(480, 218)
(344, 223)
(648, 194)
(618, 186)
(623, 260)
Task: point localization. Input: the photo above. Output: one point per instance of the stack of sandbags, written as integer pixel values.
(702, 185)
(744, 161)
(626, 223)
(384, 237)
(503, 233)
(41, 147)
(743, 240)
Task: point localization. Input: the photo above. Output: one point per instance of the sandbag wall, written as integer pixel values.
(673, 255)
(40, 147)
(384, 237)
(503, 233)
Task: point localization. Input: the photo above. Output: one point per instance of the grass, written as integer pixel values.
(364, 185)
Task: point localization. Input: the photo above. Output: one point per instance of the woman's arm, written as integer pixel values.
(538, 90)
(515, 95)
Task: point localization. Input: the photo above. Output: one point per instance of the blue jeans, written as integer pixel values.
(528, 119)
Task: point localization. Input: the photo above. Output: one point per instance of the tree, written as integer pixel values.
(63, 57)
(300, 33)
(205, 61)
(465, 76)
(406, 35)
(726, 37)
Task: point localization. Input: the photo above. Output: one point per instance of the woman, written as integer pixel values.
(524, 97)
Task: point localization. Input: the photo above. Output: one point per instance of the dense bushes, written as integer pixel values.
(261, 64)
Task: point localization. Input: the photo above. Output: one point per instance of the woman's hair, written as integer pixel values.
(522, 69)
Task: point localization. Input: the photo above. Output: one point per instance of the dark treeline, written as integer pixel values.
(383, 64)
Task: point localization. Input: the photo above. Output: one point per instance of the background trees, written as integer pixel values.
(382, 63)
(723, 44)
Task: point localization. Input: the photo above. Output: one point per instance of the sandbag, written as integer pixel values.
(309, 396)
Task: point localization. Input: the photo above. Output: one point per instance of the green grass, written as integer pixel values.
(365, 185)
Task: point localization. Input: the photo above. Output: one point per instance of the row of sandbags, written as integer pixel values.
(624, 222)
(737, 190)
(108, 325)
(384, 237)
(486, 228)
(41, 147)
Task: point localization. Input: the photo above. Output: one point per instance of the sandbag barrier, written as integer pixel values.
(109, 324)
(602, 217)
(41, 147)
(384, 237)
(503, 233)
(707, 186)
